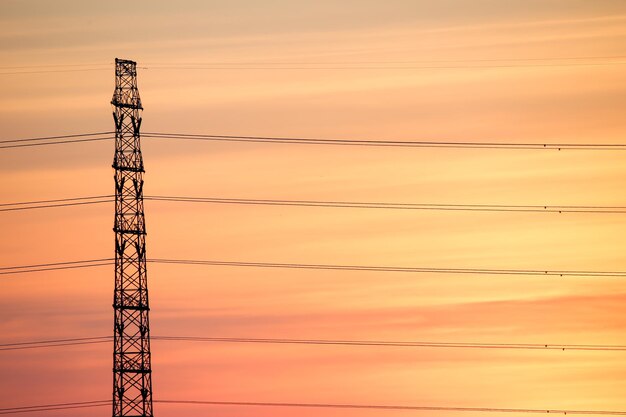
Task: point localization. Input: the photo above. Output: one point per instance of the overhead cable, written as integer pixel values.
(332, 267)
(388, 143)
(63, 202)
(380, 407)
(387, 407)
(478, 271)
(90, 137)
(320, 342)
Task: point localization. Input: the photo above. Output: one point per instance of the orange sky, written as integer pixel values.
(584, 104)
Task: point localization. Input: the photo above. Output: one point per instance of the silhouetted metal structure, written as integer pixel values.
(132, 378)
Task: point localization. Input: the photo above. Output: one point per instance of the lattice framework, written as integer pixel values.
(132, 370)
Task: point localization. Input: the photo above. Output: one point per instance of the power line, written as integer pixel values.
(55, 264)
(88, 263)
(53, 71)
(55, 140)
(377, 62)
(336, 66)
(334, 267)
(55, 343)
(390, 407)
(95, 64)
(51, 341)
(479, 271)
(53, 407)
(321, 342)
(56, 268)
(78, 135)
(429, 344)
(27, 145)
(59, 202)
(380, 67)
(17, 143)
(387, 143)
(56, 205)
(28, 205)
(431, 61)
(381, 407)
(396, 206)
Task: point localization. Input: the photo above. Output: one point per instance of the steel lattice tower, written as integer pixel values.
(132, 378)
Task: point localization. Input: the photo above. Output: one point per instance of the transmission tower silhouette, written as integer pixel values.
(132, 370)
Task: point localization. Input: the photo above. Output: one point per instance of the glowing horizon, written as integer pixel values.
(304, 69)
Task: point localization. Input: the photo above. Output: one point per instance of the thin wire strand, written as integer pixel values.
(94, 64)
(56, 200)
(59, 202)
(11, 270)
(432, 61)
(55, 405)
(378, 67)
(390, 407)
(478, 271)
(515, 59)
(397, 206)
(77, 135)
(3, 268)
(204, 262)
(386, 143)
(321, 342)
(25, 145)
(381, 407)
(18, 143)
(54, 345)
(56, 268)
(53, 71)
(28, 205)
(51, 341)
(532, 346)
(346, 66)
(56, 205)
(52, 407)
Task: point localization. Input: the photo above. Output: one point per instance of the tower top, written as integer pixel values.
(126, 93)
(124, 61)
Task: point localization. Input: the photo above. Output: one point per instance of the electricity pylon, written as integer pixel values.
(132, 370)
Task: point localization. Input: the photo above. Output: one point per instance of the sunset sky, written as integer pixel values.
(532, 71)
